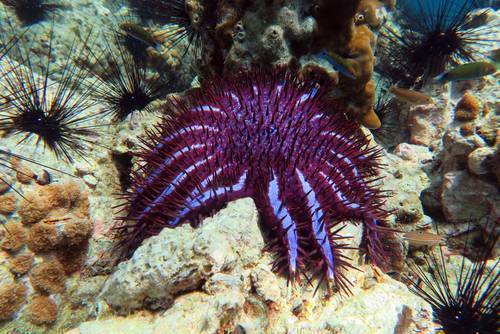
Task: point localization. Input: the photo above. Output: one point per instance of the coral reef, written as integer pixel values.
(52, 221)
(435, 175)
(263, 135)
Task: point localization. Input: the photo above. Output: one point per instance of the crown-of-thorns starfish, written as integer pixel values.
(277, 139)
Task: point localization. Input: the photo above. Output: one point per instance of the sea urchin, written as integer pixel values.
(274, 138)
(435, 34)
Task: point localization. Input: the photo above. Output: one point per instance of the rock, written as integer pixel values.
(411, 182)
(411, 152)
(215, 279)
(456, 149)
(181, 259)
(379, 309)
(90, 180)
(464, 197)
(427, 124)
(478, 161)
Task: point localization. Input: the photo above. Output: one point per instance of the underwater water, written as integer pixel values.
(212, 166)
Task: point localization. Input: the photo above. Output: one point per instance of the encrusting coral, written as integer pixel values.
(42, 310)
(43, 237)
(42, 200)
(7, 204)
(12, 297)
(468, 108)
(21, 263)
(13, 237)
(48, 277)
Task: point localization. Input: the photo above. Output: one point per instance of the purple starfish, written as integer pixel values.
(276, 139)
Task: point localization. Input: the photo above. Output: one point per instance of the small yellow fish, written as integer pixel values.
(410, 96)
(469, 71)
(421, 238)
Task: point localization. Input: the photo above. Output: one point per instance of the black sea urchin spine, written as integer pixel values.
(467, 301)
(55, 115)
(173, 14)
(434, 36)
(31, 11)
(125, 85)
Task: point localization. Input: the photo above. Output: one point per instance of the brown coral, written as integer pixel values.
(7, 204)
(24, 174)
(21, 263)
(54, 197)
(72, 259)
(76, 232)
(48, 277)
(42, 310)
(12, 297)
(43, 237)
(14, 237)
(468, 108)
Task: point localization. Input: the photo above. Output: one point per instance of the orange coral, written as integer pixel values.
(468, 108)
(42, 310)
(14, 237)
(12, 297)
(338, 34)
(21, 263)
(48, 277)
(24, 174)
(7, 204)
(360, 93)
(467, 129)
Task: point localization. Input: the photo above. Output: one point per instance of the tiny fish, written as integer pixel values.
(422, 238)
(338, 63)
(469, 71)
(410, 96)
(139, 33)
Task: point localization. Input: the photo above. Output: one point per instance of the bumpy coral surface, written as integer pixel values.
(278, 140)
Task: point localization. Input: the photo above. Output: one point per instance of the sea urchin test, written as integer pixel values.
(274, 138)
